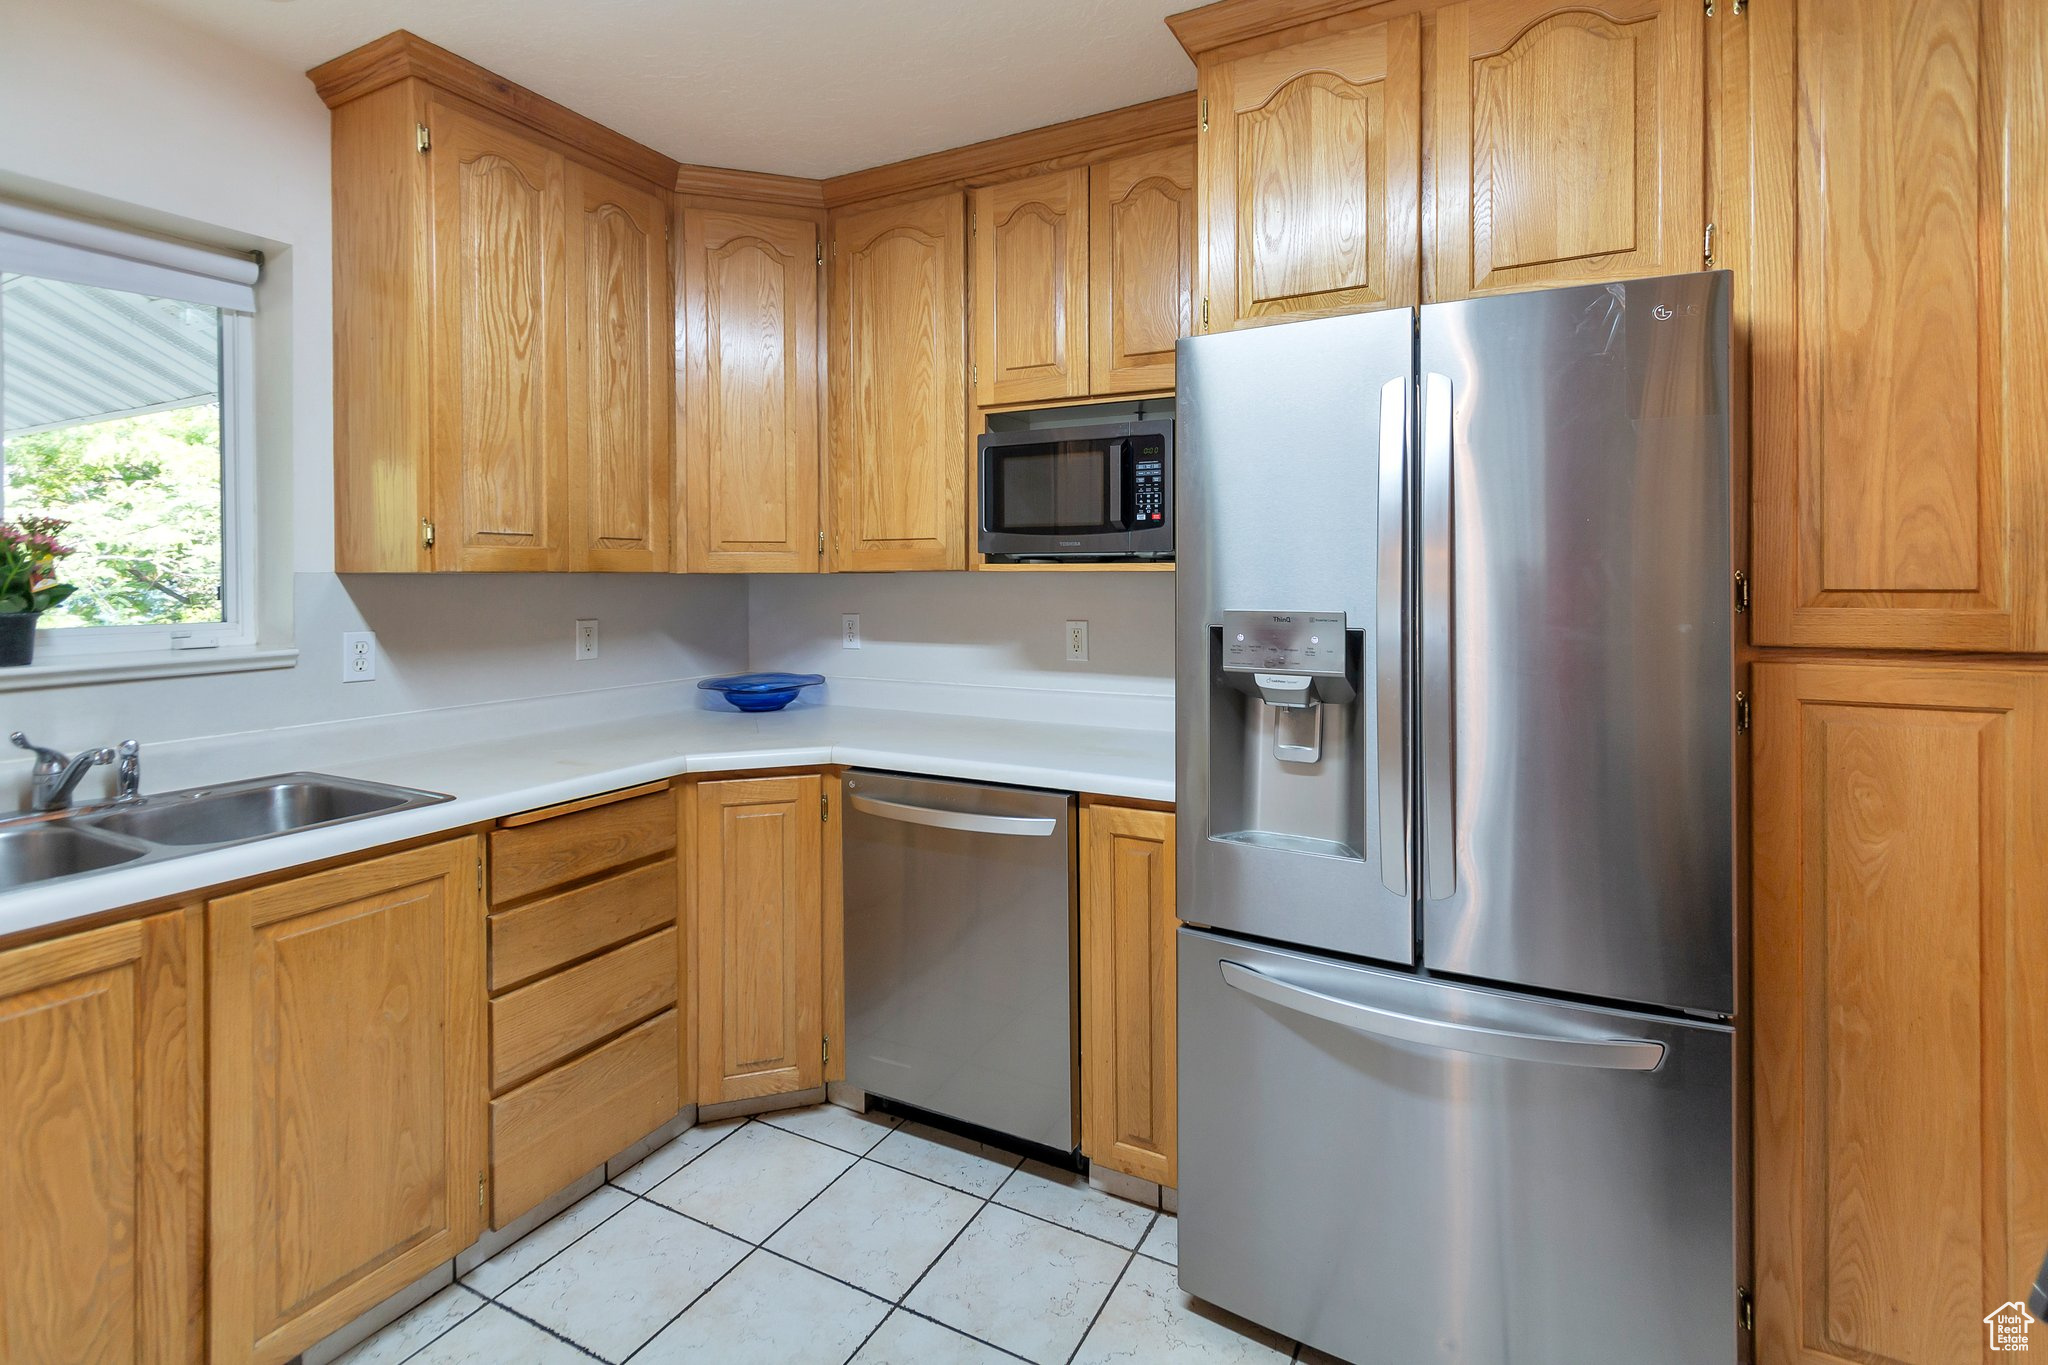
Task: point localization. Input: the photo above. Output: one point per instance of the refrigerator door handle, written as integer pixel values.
(969, 822)
(1608, 1054)
(1390, 634)
(1439, 857)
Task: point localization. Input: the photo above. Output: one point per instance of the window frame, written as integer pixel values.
(237, 628)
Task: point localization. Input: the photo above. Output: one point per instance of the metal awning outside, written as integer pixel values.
(73, 353)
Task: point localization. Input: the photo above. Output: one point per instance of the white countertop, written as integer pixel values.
(522, 769)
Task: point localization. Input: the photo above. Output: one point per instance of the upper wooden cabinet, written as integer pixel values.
(346, 1092)
(757, 919)
(1311, 171)
(503, 365)
(899, 386)
(1567, 143)
(101, 1165)
(1031, 289)
(1129, 1077)
(1901, 1007)
(1141, 267)
(752, 389)
(1899, 173)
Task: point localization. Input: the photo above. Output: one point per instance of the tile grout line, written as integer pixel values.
(482, 1302)
(1089, 1331)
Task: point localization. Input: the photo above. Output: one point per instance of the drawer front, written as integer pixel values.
(541, 936)
(536, 1026)
(548, 853)
(563, 1123)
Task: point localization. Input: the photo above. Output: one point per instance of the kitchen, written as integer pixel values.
(581, 1013)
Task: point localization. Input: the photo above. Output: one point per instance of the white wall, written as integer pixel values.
(977, 643)
(113, 109)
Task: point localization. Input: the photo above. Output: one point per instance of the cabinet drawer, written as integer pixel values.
(554, 851)
(541, 936)
(561, 1124)
(536, 1026)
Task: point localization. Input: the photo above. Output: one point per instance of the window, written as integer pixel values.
(125, 378)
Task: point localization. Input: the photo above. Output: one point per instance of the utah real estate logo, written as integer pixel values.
(2007, 1326)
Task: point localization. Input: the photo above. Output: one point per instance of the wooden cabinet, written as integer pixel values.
(899, 386)
(1897, 335)
(752, 391)
(1141, 267)
(346, 1094)
(1567, 143)
(586, 973)
(1901, 1006)
(1311, 171)
(1128, 1022)
(757, 921)
(101, 1170)
(503, 365)
(1031, 289)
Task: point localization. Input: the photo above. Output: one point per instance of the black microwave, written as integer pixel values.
(1078, 494)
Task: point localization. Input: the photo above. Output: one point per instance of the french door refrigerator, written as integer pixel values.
(1456, 777)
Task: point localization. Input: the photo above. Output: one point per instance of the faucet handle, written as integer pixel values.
(48, 756)
(128, 769)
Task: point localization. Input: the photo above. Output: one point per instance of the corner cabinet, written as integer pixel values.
(101, 1157)
(899, 386)
(504, 382)
(1900, 1017)
(347, 1092)
(1899, 166)
(1129, 1084)
(752, 389)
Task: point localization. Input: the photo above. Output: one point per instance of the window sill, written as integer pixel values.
(71, 670)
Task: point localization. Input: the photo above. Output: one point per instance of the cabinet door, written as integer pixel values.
(1141, 268)
(1311, 172)
(347, 1098)
(101, 1177)
(622, 373)
(1127, 991)
(1031, 289)
(1901, 1007)
(1568, 143)
(900, 452)
(757, 910)
(502, 481)
(751, 391)
(1898, 336)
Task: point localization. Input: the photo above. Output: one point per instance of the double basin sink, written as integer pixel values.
(43, 847)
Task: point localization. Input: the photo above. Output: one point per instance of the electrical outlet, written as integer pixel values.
(849, 630)
(1077, 642)
(358, 656)
(586, 639)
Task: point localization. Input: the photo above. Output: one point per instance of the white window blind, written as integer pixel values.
(50, 245)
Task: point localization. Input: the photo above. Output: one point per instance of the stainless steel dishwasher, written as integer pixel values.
(960, 951)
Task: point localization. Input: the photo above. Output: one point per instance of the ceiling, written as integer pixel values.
(802, 87)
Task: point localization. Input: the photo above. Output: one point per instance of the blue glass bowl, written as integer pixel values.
(761, 691)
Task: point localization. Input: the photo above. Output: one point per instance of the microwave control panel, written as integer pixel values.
(1148, 476)
(1284, 642)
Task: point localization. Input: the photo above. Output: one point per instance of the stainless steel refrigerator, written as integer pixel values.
(1456, 775)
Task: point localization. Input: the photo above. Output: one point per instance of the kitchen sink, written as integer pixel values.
(43, 847)
(39, 853)
(253, 810)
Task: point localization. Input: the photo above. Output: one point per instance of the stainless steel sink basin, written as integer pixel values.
(42, 848)
(39, 853)
(251, 810)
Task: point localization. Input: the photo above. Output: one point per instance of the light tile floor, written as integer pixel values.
(821, 1235)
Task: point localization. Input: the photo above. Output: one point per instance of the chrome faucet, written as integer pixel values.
(128, 770)
(56, 775)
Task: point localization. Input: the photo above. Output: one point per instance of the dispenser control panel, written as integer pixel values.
(1284, 642)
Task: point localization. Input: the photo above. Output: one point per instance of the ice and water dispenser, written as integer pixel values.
(1287, 758)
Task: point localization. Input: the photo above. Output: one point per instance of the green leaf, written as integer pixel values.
(52, 595)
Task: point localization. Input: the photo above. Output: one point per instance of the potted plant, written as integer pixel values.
(29, 552)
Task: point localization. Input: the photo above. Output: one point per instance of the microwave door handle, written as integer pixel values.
(1120, 495)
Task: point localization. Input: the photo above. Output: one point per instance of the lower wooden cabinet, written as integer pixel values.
(757, 848)
(1128, 1027)
(100, 1160)
(1900, 1006)
(346, 1103)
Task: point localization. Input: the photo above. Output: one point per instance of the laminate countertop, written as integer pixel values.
(493, 770)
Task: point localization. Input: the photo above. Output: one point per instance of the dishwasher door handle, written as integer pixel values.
(966, 821)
